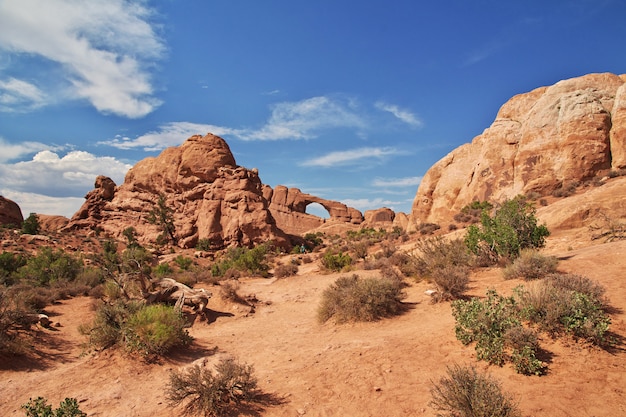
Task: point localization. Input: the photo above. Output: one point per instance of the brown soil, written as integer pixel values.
(384, 368)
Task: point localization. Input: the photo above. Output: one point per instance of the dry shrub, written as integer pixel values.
(531, 265)
(466, 393)
(214, 394)
(352, 298)
(578, 283)
(451, 282)
(282, 271)
(228, 291)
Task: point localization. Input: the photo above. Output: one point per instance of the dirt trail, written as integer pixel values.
(383, 368)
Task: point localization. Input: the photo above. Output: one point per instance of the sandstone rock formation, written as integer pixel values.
(210, 196)
(539, 141)
(288, 207)
(51, 223)
(10, 212)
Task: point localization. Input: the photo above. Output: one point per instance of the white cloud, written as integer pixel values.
(49, 174)
(402, 114)
(12, 151)
(397, 182)
(351, 156)
(170, 134)
(43, 204)
(303, 119)
(18, 95)
(103, 48)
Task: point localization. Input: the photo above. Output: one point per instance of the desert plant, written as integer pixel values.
(428, 228)
(154, 330)
(336, 261)
(512, 228)
(282, 271)
(162, 270)
(530, 265)
(352, 298)
(106, 329)
(213, 393)
(566, 303)
(183, 262)
(466, 393)
(451, 282)
(608, 229)
(50, 266)
(486, 322)
(9, 264)
(252, 261)
(31, 226)
(162, 216)
(39, 407)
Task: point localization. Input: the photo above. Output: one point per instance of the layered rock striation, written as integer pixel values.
(540, 141)
(210, 197)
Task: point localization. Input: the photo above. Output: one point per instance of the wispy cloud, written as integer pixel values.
(103, 48)
(43, 204)
(364, 204)
(402, 114)
(397, 182)
(170, 134)
(20, 96)
(12, 151)
(70, 175)
(352, 156)
(304, 119)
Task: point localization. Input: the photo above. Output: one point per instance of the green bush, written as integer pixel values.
(154, 330)
(163, 270)
(31, 226)
(39, 407)
(336, 261)
(9, 264)
(355, 299)
(183, 262)
(466, 393)
(214, 394)
(251, 261)
(106, 329)
(531, 265)
(494, 325)
(566, 303)
(512, 228)
(50, 266)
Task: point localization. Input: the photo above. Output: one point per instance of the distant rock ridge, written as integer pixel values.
(540, 141)
(211, 197)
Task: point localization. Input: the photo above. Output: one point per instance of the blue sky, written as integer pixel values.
(347, 100)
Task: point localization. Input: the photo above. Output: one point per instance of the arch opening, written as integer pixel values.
(316, 209)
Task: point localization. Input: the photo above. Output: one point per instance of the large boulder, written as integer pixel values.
(10, 213)
(209, 195)
(540, 141)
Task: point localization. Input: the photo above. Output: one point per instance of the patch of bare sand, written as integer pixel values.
(365, 369)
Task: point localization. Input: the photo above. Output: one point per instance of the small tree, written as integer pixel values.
(31, 226)
(162, 216)
(512, 228)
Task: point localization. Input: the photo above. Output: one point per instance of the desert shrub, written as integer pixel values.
(556, 308)
(360, 250)
(183, 262)
(451, 282)
(578, 283)
(313, 240)
(512, 228)
(565, 189)
(352, 298)
(466, 393)
(608, 229)
(31, 226)
(336, 261)
(106, 329)
(530, 265)
(214, 394)
(11, 319)
(9, 265)
(163, 270)
(228, 290)
(154, 330)
(50, 266)
(162, 216)
(250, 261)
(204, 244)
(436, 254)
(282, 271)
(39, 407)
(495, 326)
(428, 228)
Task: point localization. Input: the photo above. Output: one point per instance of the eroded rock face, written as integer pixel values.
(10, 213)
(211, 197)
(538, 142)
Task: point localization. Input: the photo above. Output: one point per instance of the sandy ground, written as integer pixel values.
(383, 368)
